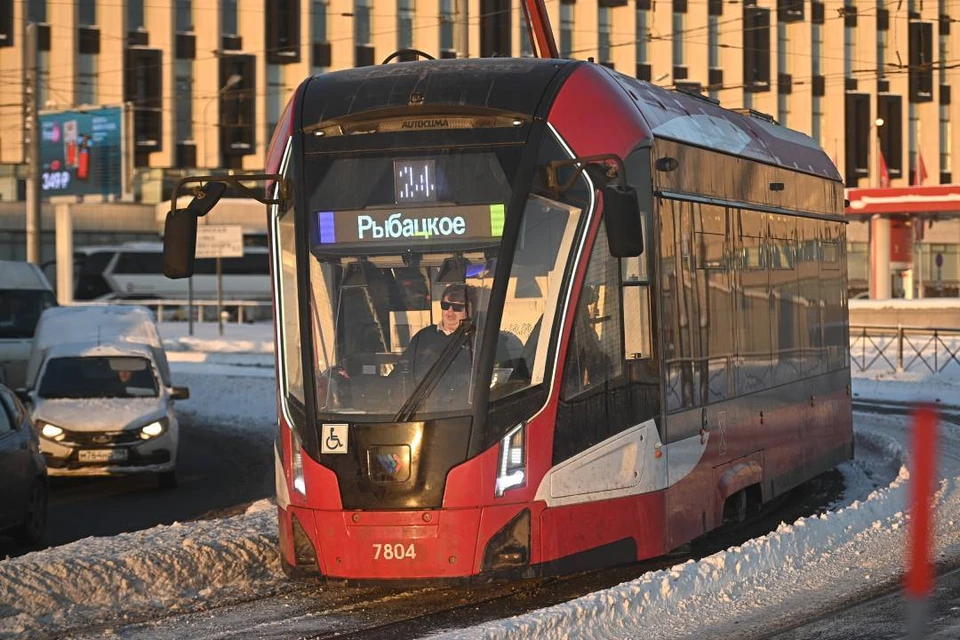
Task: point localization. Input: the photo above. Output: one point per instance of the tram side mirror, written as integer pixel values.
(180, 230)
(623, 220)
(179, 244)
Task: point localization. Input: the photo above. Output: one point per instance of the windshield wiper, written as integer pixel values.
(430, 380)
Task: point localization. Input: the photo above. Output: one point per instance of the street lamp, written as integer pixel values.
(231, 82)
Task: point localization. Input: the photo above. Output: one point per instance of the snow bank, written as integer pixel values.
(156, 571)
(236, 338)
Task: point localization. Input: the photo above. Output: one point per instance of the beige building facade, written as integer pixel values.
(206, 80)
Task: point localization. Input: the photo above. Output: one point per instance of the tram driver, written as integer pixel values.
(430, 342)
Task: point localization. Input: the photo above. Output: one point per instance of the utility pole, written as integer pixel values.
(31, 141)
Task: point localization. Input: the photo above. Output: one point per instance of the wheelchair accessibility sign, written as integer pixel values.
(333, 439)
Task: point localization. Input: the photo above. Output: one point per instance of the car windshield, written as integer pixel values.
(20, 311)
(98, 377)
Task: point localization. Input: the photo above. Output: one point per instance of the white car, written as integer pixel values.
(103, 409)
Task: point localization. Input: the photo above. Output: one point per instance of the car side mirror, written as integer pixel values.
(23, 395)
(180, 393)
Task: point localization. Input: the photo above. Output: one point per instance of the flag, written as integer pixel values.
(884, 173)
(920, 173)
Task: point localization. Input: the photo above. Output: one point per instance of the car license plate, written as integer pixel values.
(103, 455)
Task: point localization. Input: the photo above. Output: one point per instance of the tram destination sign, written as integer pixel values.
(465, 222)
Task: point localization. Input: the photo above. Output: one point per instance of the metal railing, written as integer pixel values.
(897, 349)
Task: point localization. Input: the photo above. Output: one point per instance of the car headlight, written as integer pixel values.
(51, 432)
(153, 430)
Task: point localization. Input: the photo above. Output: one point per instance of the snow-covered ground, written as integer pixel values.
(799, 569)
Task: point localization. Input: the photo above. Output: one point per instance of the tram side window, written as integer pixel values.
(753, 306)
(808, 277)
(715, 302)
(834, 325)
(636, 309)
(595, 352)
(784, 311)
(289, 307)
(681, 333)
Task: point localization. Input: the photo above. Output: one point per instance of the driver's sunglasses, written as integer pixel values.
(459, 307)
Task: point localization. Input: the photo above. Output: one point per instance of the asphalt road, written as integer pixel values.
(217, 470)
(888, 616)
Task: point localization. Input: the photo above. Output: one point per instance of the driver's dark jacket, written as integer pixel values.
(424, 350)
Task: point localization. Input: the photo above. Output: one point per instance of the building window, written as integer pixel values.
(946, 163)
(184, 70)
(857, 142)
(37, 11)
(361, 21)
(890, 109)
(566, 30)
(446, 24)
(756, 50)
(713, 42)
(496, 34)
(526, 47)
(274, 97)
(184, 16)
(228, 17)
(318, 36)
(134, 15)
(86, 78)
(43, 78)
(920, 36)
(604, 28)
(678, 37)
(87, 13)
(816, 129)
(404, 24)
(816, 31)
(881, 48)
(783, 52)
(914, 121)
(849, 49)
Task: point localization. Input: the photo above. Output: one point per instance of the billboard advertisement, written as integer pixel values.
(81, 153)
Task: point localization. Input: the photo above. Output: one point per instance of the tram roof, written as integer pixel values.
(517, 85)
(507, 84)
(701, 121)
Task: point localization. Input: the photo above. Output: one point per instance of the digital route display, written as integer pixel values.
(464, 222)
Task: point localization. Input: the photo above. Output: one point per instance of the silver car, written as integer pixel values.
(104, 410)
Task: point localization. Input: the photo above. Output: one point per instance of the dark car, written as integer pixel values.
(23, 474)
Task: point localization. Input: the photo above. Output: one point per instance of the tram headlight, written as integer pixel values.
(299, 484)
(512, 469)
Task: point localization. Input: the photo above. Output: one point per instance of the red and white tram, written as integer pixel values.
(650, 333)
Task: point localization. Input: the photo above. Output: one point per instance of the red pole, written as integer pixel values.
(919, 578)
(538, 26)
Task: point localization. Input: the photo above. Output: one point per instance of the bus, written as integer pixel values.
(134, 271)
(651, 322)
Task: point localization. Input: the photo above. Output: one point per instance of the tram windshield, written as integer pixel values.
(403, 253)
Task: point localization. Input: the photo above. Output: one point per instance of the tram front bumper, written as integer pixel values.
(396, 546)
(369, 545)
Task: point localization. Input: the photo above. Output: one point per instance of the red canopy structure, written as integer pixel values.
(913, 200)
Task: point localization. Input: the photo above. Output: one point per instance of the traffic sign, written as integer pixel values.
(220, 241)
